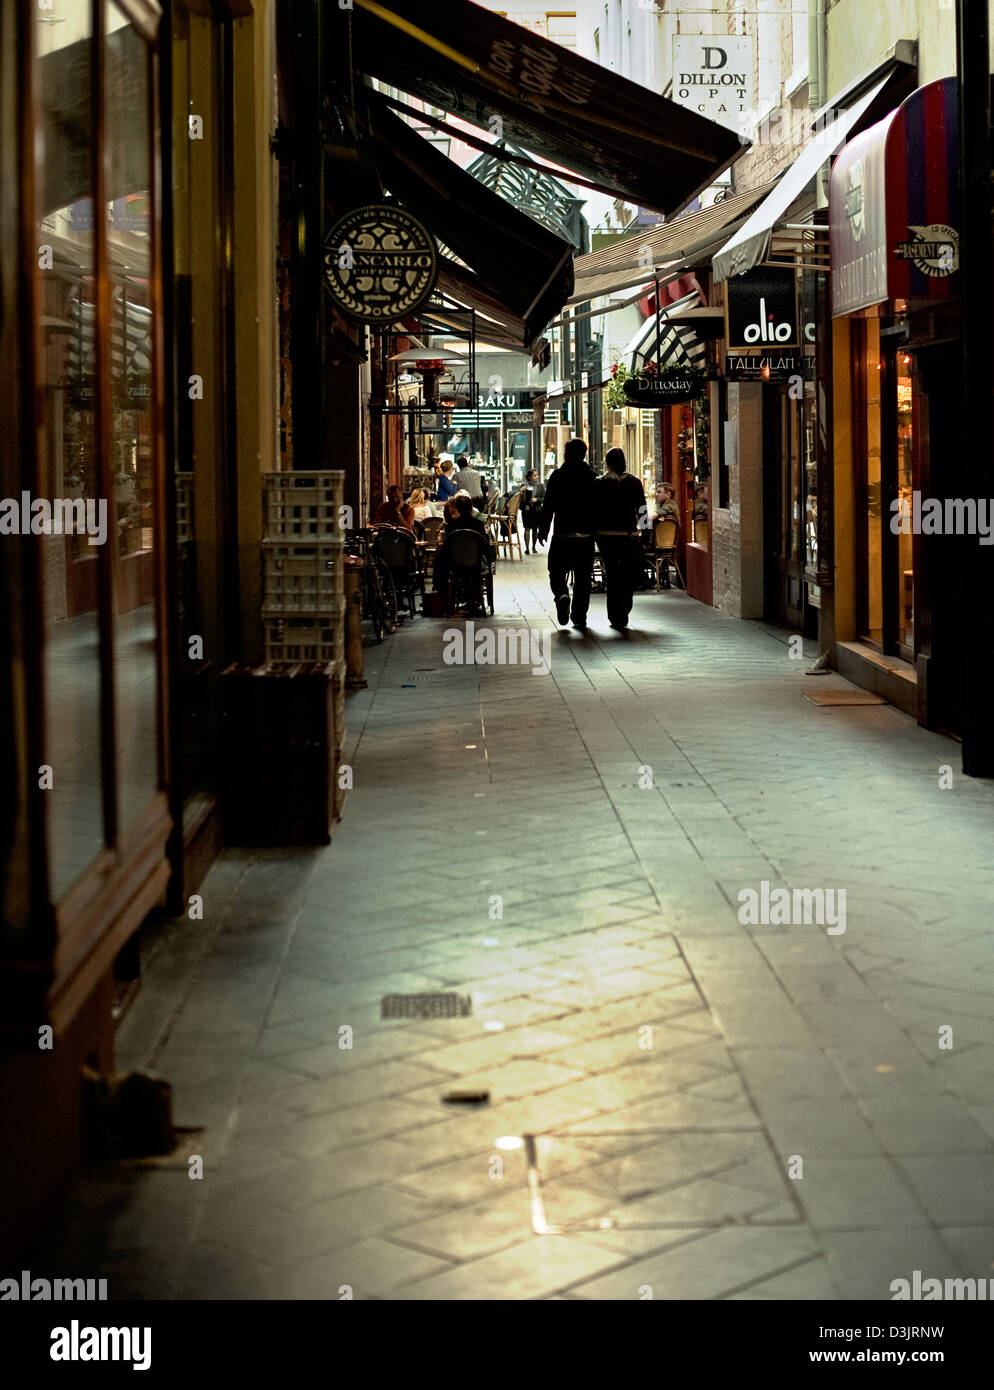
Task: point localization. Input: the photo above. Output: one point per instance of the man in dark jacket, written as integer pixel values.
(621, 512)
(570, 503)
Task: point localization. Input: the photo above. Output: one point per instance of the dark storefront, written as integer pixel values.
(895, 285)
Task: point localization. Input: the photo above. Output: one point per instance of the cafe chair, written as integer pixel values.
(665, 533)
(433, 527)
(398, 550)
(504, 526)
(470, 570)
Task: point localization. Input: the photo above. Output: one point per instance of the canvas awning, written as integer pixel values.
(751, 243)
(494, 322)
(665, 340)
(528, 270)
(468, 61)
(672, 245)
(894, 205)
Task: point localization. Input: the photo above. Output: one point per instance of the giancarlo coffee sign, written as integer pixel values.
(380, 263)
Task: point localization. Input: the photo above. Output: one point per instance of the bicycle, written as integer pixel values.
(379, 596)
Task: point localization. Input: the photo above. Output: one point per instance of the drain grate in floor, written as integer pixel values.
(427, 1006)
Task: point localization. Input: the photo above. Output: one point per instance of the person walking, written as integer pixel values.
(532, 497)
(621, 512)
(570, 506)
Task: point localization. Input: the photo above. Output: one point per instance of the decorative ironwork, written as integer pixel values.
(539, 195)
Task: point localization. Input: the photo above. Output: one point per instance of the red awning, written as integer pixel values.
(894, 205)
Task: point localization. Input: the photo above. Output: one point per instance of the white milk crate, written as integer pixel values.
(302, 578)
(314, 637)
(299, 506)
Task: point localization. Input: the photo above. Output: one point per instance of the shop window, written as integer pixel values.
(68, 465)
(132, 418)
(561, 28)
(98, 437)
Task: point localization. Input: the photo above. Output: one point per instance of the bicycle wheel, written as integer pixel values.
(373, 599)
(388, 596)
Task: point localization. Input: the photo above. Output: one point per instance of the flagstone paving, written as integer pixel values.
(714, 1110)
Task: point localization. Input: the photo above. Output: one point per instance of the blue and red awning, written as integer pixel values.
(894, 209)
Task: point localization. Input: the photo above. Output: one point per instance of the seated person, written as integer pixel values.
(666, 506)
(463, 516)
(419, 502)
(459, 517)
(394, 511)
(447, 485)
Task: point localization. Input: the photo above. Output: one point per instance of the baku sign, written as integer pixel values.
(762, 310)
(380, 263)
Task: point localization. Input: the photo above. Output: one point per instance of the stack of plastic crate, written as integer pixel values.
(303, 604)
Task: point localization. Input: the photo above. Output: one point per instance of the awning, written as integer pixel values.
(527, 268)
(666, 341)
(751, 243)
(470, 62)
(494, 323)
(894, 205)
(625, 264)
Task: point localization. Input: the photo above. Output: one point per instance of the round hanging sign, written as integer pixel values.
(380, 263)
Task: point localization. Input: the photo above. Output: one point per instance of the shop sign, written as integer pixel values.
(933, 250)
(762, 310)
(500, 400)
(651, 393)
(894, 205)
(380, 263)
(712, 74)
(755, 366)
(522, 418)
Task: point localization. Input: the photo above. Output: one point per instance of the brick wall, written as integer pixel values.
(737, 531)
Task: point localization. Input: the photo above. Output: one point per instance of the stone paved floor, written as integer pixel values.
(677, 1071)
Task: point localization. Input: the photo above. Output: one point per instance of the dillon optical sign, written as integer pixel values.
(380, 263)
(713, 75)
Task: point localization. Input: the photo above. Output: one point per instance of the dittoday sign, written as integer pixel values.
(712, 74)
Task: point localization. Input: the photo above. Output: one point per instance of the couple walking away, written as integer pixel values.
(583, 507)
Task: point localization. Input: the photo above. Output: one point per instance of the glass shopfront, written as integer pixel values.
(96, 332)
(885, 483)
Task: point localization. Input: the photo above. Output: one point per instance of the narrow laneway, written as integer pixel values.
(703, 1107)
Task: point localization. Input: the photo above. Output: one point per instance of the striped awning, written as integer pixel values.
(131, 340)
(672, 344)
